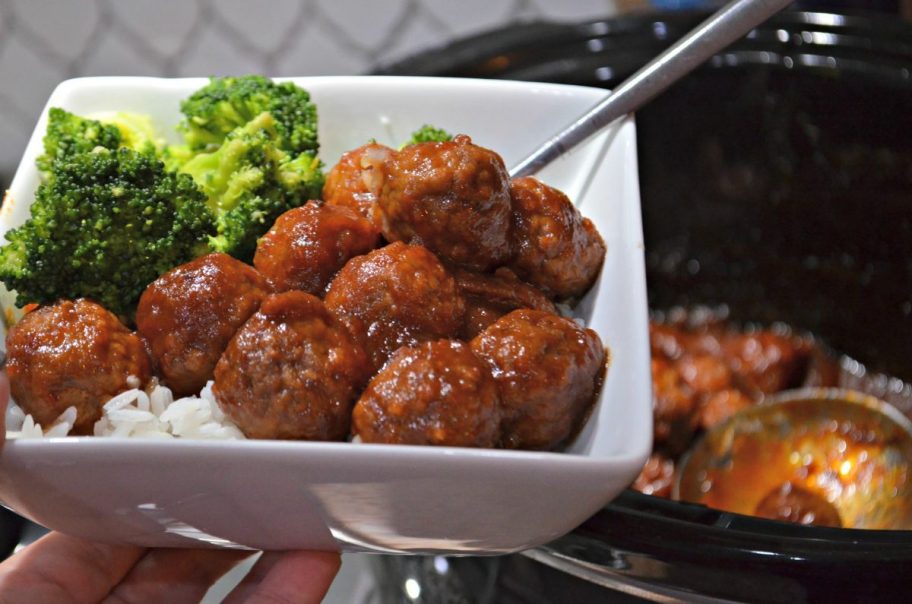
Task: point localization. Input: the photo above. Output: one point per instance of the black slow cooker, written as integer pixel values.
(777, 182)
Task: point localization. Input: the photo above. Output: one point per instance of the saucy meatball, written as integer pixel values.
(72, 354)
(395, 296)
(791, 503)
(657, 476)
(292, 371)
(355, 182)
(556, 249)
(490, 296)
(188, 315)
(768, 361)
(435, 393)
(674, 406)
(549, 370)
(453, 197)
(306, 246)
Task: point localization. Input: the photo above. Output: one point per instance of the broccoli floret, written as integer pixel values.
(68, 134)
(230, 102)
(136, 130)
(103, 226)
(428, 134)
(250, 181)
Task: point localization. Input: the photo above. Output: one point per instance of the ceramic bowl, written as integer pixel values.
(276, 495)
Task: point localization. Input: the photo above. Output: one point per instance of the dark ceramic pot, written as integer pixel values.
(777, 181)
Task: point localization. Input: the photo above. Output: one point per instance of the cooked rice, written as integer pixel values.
(136, 413)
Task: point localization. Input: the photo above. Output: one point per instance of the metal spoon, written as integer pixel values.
(804, 455)
(728, 24)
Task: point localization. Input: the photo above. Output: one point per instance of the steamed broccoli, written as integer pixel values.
(249, 181)
(428, 134)
(103, 226)
(136, 130)
(230, 102)
(69, 134)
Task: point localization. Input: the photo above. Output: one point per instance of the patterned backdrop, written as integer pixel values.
(45, 41)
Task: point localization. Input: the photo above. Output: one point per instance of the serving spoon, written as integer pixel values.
(728, 24)
(808, 455)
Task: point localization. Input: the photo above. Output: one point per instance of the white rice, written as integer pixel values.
(135, 413)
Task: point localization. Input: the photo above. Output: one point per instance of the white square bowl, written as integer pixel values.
(277, 495)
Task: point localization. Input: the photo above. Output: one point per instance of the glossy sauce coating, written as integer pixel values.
(792, 503)
(356, 180)
(72, 353)
(489, 296)
(452, 197)
(556, 249)
(292, 371)
(549, 370)
(188, 315)
(398, 295)
(306, 246)
(435, 393)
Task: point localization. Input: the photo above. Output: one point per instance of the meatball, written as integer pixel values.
(719, 406)
(768, 361)
(452, 197)
(791, 503)
(293, 371)
(188, 315)
(72, 353)
(556, 248)
(657, 476)
(674, 407)
(549, 370)
(398, 295)
(491, 296)
(355, 182)
(435, 393)
(307, 246)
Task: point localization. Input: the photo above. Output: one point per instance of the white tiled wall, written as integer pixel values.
(45, 41)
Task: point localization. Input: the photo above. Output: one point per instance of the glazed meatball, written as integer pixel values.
(675, 405)
(549, 370)
(556, 248)
(435, 393)
(72, 353)
(768, 361)
(452, 197)
(188, 315)
(791, 503)
(395, 296)
(307, 246)
(490, 296)
(355, 182)
(657, 476)
(292, 371)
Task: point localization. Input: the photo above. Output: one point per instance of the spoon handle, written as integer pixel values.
(725, 26)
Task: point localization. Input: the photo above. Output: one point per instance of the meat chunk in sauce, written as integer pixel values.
(356, 180)
(657, 476)
(293, 371)
(453, 197)
(306, 246)
(435, 393)
(549, 370)
(792, 503)
(769, 362)
(490, 296)
(72, 353)
(556, 248)
(188, 315)
(398, 295)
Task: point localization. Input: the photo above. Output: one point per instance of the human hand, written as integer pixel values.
(61, 568)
